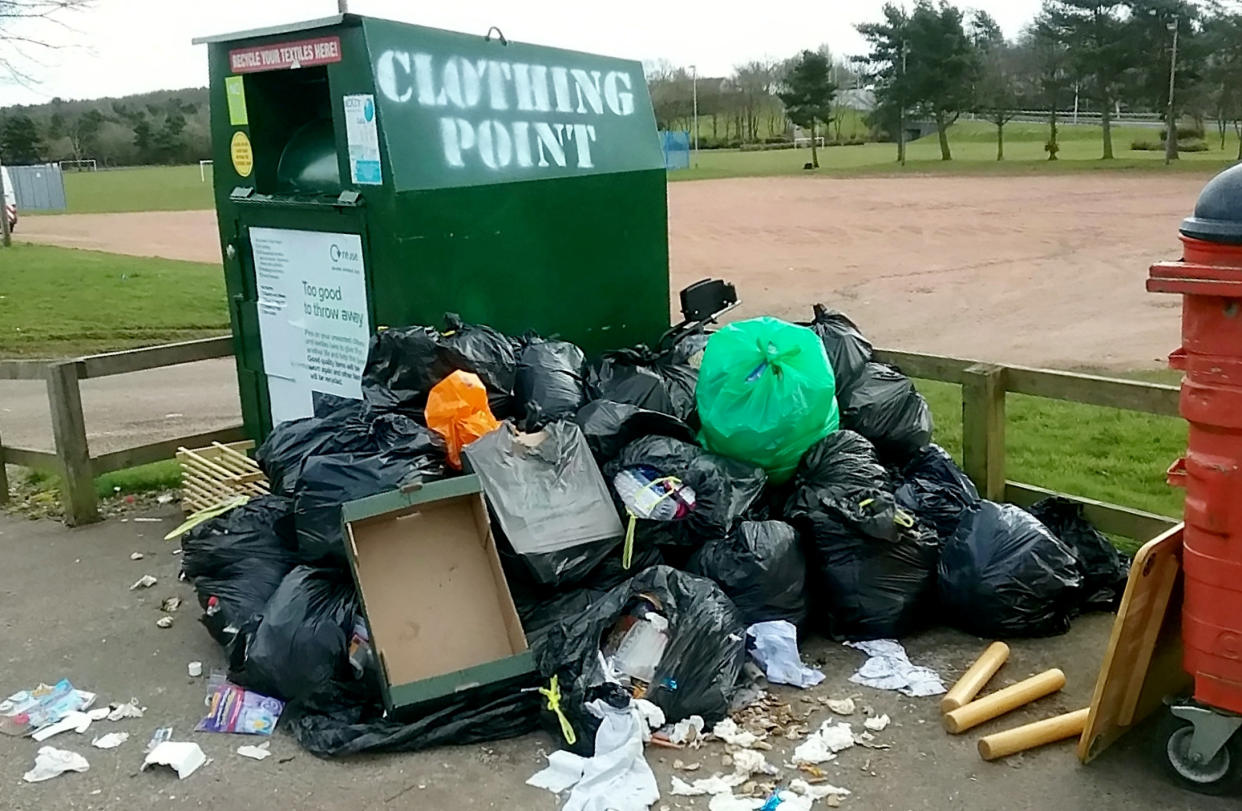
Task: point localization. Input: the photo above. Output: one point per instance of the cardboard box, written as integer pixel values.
(436, 602)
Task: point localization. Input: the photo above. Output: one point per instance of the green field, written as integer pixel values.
(174, 188)
(60, 301)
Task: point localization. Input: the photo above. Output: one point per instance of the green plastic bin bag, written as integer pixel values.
(765, 394)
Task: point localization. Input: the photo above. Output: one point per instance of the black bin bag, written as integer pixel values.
(725, 490)
(872, 566)
(300, 647)
(696, 674)
(240, 559)
(884, 406)
(1104, 569)
(760, 567)
(655, 381)
(404, 363)
(848, 351)
(609, 426)
(327, 482)
(935, 489)
(550, 383)
(1003, 574)
(842, 460)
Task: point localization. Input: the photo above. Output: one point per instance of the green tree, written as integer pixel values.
(1042, 62)
(1100, 51)
(19, 140)
(885, 66)
(1222, 72)
(1151, 25)
(144, 140)
(939, 68)
(807, 94)
(84, 133)
(999, 90)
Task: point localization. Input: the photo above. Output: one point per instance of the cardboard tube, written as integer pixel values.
(1003, 701)
(975, 677)
(1019, 739)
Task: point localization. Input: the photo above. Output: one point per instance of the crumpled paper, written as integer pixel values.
(775, 648)
(889, 668)
(51, 762)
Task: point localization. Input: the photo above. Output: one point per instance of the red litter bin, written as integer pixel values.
(1200, 745)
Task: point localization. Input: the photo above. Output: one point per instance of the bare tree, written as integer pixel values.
(24, 27)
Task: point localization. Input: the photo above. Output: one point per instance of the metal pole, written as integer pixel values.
(5, 239)
(342, 6)
(1075, 102)
(1170, 140)
(694, 89)
(901, 125)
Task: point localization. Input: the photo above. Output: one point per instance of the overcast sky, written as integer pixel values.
(129, 46)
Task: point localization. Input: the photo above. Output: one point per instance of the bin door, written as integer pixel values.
(308, 292)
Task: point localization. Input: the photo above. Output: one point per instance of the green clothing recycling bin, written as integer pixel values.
(370, 173)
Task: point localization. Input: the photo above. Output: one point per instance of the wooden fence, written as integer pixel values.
(984, 386)
(71, 459)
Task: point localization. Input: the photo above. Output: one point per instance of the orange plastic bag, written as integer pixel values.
(457, 410)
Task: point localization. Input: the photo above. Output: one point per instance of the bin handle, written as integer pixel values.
(499, 35)
(1176, 475)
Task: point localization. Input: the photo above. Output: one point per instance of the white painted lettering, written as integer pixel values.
(587, 87)
(530, 84)
(458, 137)
(621, 102)
(583, 135)
(521, 143)
(450, 85)
(495, 145)
(497, 73)
(393, 87)
(560, 86)
(424, 77)
(551, 141)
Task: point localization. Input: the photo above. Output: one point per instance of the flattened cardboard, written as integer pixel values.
(435, 598)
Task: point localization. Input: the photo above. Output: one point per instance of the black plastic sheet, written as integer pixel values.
(760, 566)
(650, 380)
(1004, 574)
(1104, 569)
(239, 558)
(848, 351)
(327, 482)
(700, 665)
(935, 489)
(883, 405)
(725, 489)
(550, 382)
(609, 426)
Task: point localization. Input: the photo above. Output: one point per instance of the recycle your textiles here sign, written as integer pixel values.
(523, 113)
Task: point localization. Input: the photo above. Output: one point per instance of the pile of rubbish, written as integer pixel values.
(656, 514)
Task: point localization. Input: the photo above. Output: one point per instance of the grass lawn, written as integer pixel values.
(57, 302)
(1102, 453)
(973, 144)
(143, 188)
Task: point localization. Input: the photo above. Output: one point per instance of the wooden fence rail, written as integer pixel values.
(72, 460)
(984, 386)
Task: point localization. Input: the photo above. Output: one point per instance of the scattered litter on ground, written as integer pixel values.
(164, 622)
(716, 784)
(775, 647)
(99, 713)
(183, 757)
(877, 724)
(51, 762)
(830, 738)
(77, 721)
(144, 582)
(841, 706)
(110, 741)
(160, 735)
(688, 732)
(729, 732)
(235, 709)
(681, 766)
(141, 520)
(889, 668)
(164, 498)
(260, 752)
(748, 762)
(818, 791)
(194, 669)
(170, 604)
(29, 710)
(130, 709)
(137, 556)
(769, 716)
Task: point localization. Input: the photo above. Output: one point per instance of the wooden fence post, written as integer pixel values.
(69, 431)
(983, 428)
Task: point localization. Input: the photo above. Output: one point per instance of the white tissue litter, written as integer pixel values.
(841, 706)
(110, 741)
(729, 732)
(823, 745)
(889, 668)
(878, 723)
(818, 791)
(688, 731)
(775, 648)
(144, 582)
(716, 784)
(260, 752)
(127, 710)
(51, 762)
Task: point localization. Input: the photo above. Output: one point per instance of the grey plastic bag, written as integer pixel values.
(549, 498)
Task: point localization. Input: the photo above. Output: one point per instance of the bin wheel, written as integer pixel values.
(1219, 776)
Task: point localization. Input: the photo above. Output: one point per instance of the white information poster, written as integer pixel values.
(362, 136)
(312, 316)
